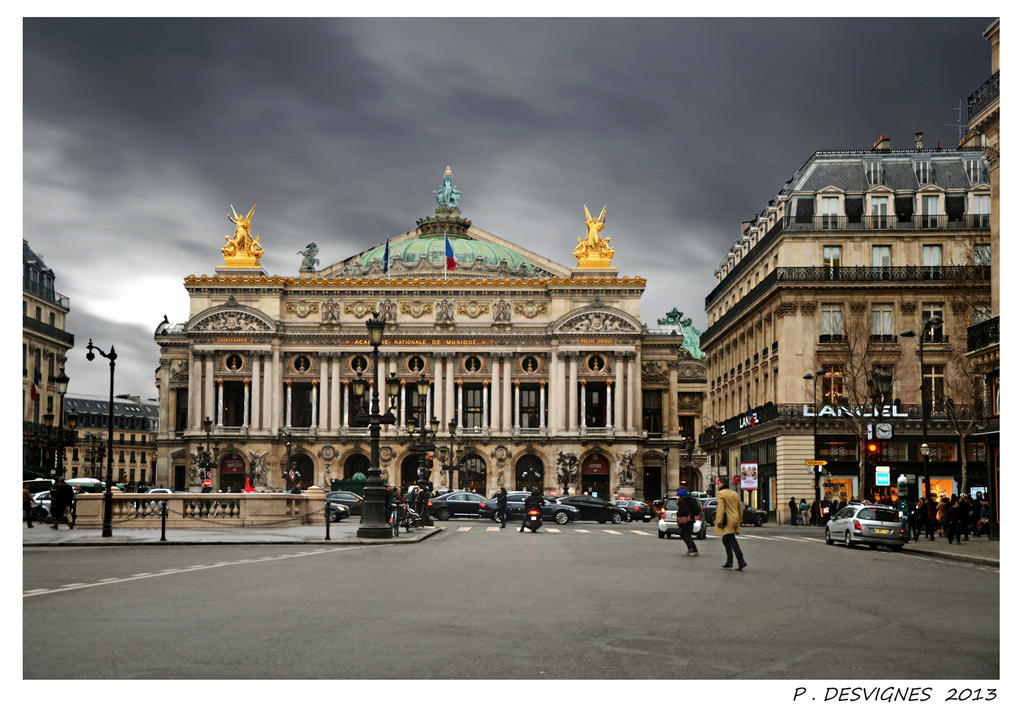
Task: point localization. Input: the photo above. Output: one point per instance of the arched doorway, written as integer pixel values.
(529, 472)
(473, 474)
(595, 472)
(410, 471)
(232, 473)
(356, 463)
(303, 466)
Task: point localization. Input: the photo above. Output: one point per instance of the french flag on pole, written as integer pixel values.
(449, 255)
(35, 387)
(750, 416)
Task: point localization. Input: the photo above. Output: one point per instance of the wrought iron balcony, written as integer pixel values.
(983, 334)
(38, 289)
(887, 222)
(983, 96)
(48, 330)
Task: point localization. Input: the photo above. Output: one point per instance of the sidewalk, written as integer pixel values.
(980, 550)
(42, 535)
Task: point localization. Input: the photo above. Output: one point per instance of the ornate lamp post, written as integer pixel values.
(933, 322)
(689, 458)
(61, 380)
(427, 436)
(814, 402)
(664, 456)
(108, 495)
(452, 465)
(568, 463)
(374, 523)
(286, 464)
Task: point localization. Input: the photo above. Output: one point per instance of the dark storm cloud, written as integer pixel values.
(139, 133)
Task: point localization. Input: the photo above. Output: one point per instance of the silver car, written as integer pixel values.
(667, 521)
(874, 525)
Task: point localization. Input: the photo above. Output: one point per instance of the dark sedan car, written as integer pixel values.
(459, 503)
(595, 509)
(636, 510)
(751, 515)
(351, 500)
(551, 511)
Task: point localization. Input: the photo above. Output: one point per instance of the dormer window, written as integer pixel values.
(873, 172)
(923, 170)
(974, 170)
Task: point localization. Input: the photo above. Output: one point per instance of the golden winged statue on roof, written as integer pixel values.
(242, 249)
(594, 251)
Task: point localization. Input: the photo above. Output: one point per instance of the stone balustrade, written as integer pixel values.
(199, 510)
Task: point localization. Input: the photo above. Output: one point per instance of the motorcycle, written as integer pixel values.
(533, 520)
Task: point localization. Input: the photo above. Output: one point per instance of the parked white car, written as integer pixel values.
(667, 521)
(874, 525)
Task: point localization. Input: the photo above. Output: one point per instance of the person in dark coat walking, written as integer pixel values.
(951, 520)
(60, 503)
(687, 510)
(793, 512)
(502, 511)
(918, 514)
(26, 504)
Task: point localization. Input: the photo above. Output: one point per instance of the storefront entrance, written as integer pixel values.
(595, 472)
(473, 475)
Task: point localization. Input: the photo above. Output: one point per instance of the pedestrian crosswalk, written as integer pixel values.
(555, 530)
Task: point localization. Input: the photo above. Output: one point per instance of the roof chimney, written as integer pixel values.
(918, 140)
(881, 145)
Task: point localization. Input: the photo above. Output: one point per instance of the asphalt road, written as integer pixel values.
(587, 601)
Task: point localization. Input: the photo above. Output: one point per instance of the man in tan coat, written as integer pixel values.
(728, 517)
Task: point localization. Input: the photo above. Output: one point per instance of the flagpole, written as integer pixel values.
(445, 276)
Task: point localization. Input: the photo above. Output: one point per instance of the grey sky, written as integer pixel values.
(139, 133)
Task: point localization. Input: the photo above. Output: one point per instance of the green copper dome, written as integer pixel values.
(466, 253)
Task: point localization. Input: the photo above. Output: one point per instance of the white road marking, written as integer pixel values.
(463, 529)
(112, 578)
(815, 539)
(610, 531)
(637, 531)
(493, 529)
(796, 539)
(555, 531)
(144, 573)
(197, 567)
(583, 531)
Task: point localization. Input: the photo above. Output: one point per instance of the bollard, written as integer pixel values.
(327, 517)
(163, 521)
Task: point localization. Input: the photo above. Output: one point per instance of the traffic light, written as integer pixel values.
(872, 452)
(430, 461)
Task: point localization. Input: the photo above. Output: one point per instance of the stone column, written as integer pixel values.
(313, 401)
(402, 417)
(429, 409)
(583, 405)
(219, 418)
(208, 394)
(437, 400)
(631, 391)
(495, 397)
(574, 404)
(245, 405)
(506, 393)
(553, 371)
(608, 404)
(277, 384)
(543, 411)
(288, 404)
(517, 419)
(486, 417)
(335, 423)
(458, 406)
(254, 418)
(449, 389)
(322, 420)
(195, 391)
(269, 387)
(672, 425)
(345, 406)
(619, 399)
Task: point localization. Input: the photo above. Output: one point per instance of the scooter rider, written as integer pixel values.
(534, 500)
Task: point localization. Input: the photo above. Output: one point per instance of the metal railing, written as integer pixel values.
(970, 275)
(983, 334)
(48, 330)
(37, 288)
(983, 96)
(885, 222)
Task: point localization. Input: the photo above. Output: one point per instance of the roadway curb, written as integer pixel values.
(348, 542)
(952, 556)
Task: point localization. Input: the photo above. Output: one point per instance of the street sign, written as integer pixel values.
(882, 475)
(815, 462)
(911, 478)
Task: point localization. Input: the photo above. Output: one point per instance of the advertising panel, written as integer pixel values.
(748, 476)
(840, 489)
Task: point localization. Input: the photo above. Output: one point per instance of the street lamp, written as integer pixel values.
(933, 322)
(452, 465)
(427, 436)
(814, 402)
(108, 495)
(286, 464)
(374, 522)
(689, 458)
(664, 454)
